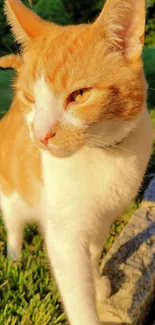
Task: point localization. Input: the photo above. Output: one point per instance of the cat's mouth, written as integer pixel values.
(65, 152)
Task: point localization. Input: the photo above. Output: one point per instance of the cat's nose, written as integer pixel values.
(48, 136)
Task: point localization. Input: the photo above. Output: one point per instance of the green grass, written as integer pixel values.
(119, 225)
(152, 113)
(5, 90)
(28, 293)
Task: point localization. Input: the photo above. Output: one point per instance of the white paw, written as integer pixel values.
(13, 255)
(103, 289)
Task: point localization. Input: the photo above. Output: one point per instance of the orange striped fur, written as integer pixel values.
(18, 156)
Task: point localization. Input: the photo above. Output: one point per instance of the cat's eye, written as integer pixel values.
(80, 96)
(28, 97)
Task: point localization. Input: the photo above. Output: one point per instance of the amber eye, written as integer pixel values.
(28, 97)
(80, 96)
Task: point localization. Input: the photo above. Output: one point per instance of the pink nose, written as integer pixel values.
(48, 136)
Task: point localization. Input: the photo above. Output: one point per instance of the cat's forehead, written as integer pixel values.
(63, 41)
(65, 57)
(72, 58)
(68, 45)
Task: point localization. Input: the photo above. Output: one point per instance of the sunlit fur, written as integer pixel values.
(11, 61)
(73, 166)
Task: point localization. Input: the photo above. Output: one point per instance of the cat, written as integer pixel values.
(76, 141)
(11, 61)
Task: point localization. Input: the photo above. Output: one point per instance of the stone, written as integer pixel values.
(149, 194)
(130, 266)
(150, 320)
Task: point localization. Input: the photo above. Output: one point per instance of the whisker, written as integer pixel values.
(27, 138)
(94, 143)
(99, 142)
(117, 146)
(7, 45)
(27, 150)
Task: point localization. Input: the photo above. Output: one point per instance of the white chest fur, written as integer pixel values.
(95, 181)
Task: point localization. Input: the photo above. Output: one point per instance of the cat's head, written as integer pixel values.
(81, 85)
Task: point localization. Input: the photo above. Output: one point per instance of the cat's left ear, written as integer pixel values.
(24, 22)
(122, 24)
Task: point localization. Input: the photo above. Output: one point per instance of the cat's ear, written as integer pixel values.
(24, 22)
(122, 23)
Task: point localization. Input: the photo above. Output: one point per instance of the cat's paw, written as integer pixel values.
(103, 289)
(13, 255)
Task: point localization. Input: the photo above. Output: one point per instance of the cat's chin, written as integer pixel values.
(60, 153)
(55, 150)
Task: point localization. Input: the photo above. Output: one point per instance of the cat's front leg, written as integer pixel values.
(14, 224)
(15, 230)
(71, 263)
(102, 283)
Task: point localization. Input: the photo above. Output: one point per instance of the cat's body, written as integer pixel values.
(86, 175)
(73, 187)
(81, 197)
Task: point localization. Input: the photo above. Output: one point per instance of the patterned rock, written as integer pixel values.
(130, 265)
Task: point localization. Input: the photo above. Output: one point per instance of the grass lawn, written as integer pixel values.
(28, 293)
(5, 90)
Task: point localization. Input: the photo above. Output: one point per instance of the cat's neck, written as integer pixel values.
(103, 136)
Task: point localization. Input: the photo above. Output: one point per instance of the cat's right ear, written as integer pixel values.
(24, 22)
(122, 24)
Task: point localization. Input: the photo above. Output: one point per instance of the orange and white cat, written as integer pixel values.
(76, 141)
